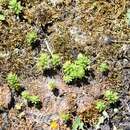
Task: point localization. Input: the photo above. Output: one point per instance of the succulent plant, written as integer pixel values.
(111, 96)
(13, 81)
(15, 6)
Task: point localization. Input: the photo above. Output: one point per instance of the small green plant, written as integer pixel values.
(111, 96)
(101, 106)
(51, 85)
(2, 17)
(46, 61)
(82, 60)
(104, 67)
(15, 6)
(25, 95)
(33, 99)
(13, 81)
(78, 124)
(55, 60)
(76, 70)
(31, 37)
(43, 62)
(72, 72)
(65, 116)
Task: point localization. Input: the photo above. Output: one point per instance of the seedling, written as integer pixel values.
(55, 60)
(2, 17)
(31, 37)
(101, 106)
(43, 62)
(111, 96)
(15, 6)
(52, 85)
(65, 116)
(78, 124)
(13, 81)
(104, 67)
(76, 70)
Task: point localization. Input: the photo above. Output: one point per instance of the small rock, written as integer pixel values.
(5, 97)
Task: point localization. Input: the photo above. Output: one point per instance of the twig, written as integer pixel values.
(47, 45)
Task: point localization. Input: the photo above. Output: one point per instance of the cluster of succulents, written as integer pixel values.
(77, 69)
(46, 61)
(110, 96)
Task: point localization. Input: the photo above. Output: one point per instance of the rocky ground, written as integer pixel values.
(97, 28)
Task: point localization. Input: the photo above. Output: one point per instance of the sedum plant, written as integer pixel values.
(76, 70)
(72, 72)
(104, 67)
(55, 60)
(15, 6)
(111, 96)
(33, 99)
(82, 60)
(31, 37)
(101, 106)
(43, 62)
(48, 62)
(13, 81)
